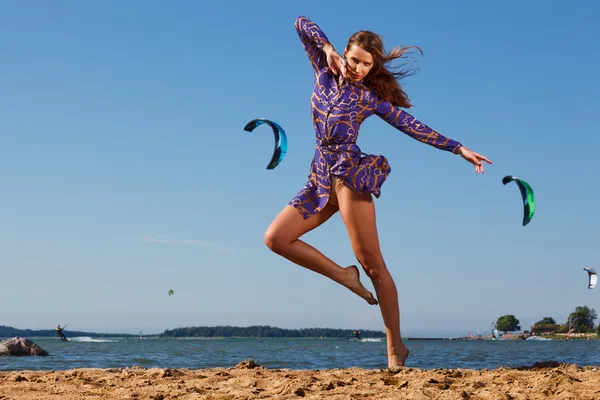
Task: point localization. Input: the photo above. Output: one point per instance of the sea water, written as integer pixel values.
(292, 353)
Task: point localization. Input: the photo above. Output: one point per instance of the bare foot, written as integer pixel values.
(353, 283)
(398, 359)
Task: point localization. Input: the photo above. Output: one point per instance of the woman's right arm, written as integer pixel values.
(314, 41)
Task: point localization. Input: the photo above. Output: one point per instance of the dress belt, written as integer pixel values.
(325, 144)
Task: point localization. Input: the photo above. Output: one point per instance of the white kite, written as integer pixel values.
(592, 276)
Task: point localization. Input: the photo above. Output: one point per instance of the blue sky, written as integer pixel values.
(125, 170)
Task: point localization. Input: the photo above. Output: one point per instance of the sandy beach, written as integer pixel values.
(250, 381)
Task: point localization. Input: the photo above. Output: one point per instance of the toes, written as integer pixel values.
(373, 299)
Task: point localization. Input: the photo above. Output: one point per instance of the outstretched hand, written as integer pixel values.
(474, 158)
(335, 62)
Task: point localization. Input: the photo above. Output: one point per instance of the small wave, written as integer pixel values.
(88, 339)
(371, 340)
(537, 338)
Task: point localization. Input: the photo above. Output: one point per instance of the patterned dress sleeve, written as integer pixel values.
(414, 128)
(313, 39)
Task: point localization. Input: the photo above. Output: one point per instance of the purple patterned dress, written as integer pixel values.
(337, 112)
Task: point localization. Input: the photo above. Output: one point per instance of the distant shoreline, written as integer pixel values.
(254, 331)
(265, 331)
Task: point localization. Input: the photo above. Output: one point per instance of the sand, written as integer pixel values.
(250, 381)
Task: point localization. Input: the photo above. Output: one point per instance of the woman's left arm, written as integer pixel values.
(414, 128)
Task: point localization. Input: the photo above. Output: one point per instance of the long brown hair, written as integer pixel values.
(382, 79)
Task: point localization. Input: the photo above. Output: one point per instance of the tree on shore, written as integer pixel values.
(582, 319)
(508, 323)
(546, 320)
(545, 325)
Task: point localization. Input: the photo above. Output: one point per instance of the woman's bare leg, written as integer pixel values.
(282, 237)
(358, 213)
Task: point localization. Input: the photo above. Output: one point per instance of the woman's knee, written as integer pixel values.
(276, 239)
(371, 261)
(289, 226)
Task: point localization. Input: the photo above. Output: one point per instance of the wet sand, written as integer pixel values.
(249, 381)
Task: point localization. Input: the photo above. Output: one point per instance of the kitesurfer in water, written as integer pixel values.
(356, 334)
(344, 179)
(59, 332)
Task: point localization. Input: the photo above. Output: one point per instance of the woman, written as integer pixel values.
(344, 179)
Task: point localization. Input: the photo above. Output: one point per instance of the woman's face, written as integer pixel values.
(358, 62)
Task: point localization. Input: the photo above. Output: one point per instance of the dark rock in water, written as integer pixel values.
(19, 346)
